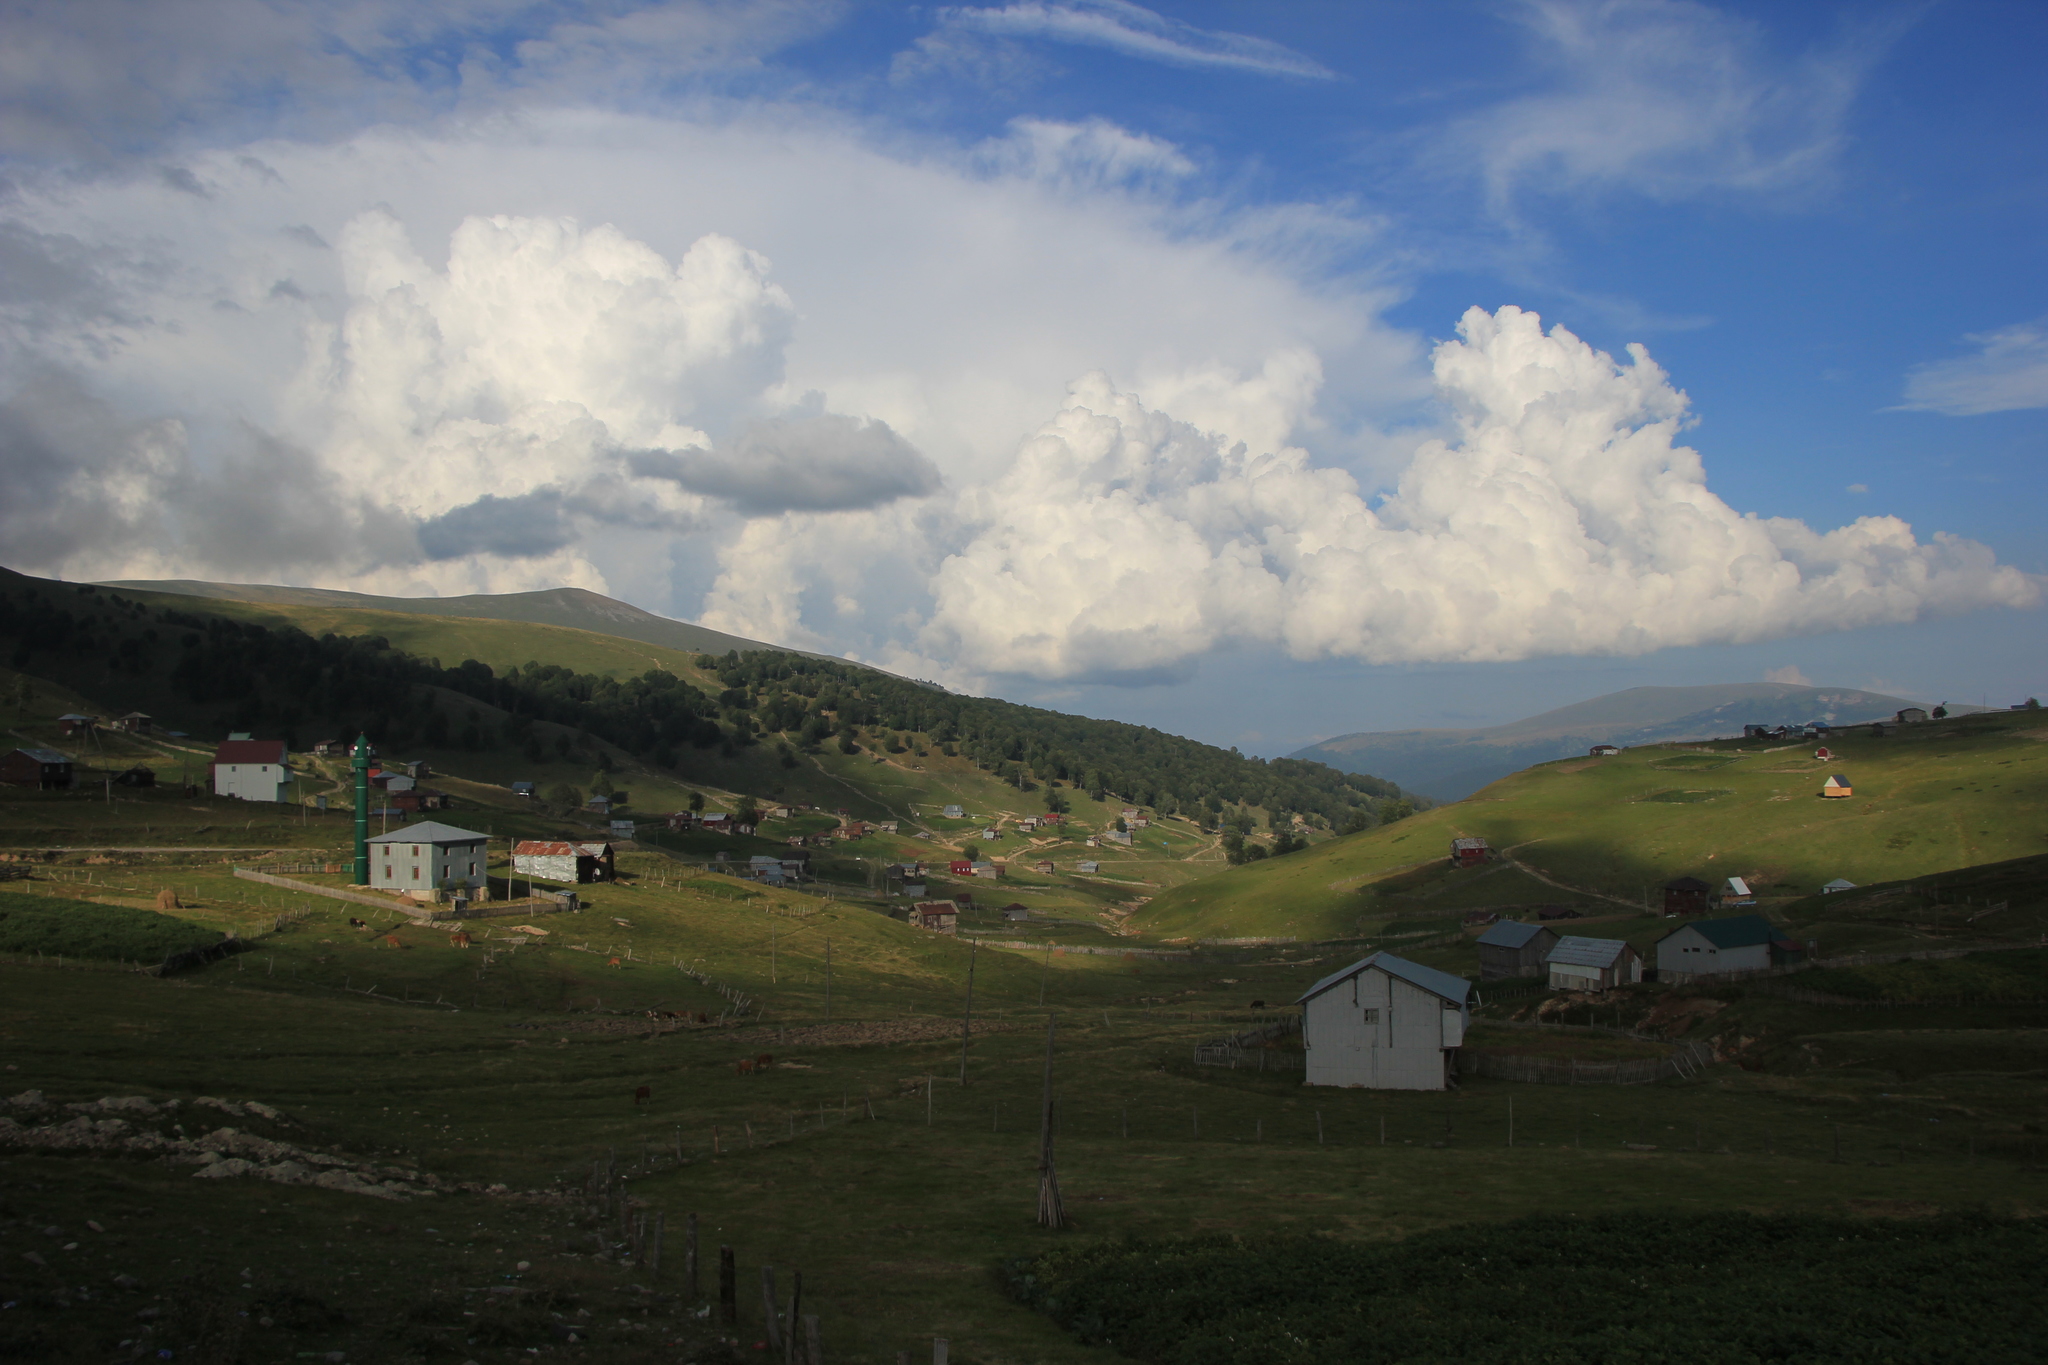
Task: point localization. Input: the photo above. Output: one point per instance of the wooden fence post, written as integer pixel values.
(690, 1254)
(792, 1350)
(728, 1288)
(769, 1309)
(939, 1350)
(814, 1346)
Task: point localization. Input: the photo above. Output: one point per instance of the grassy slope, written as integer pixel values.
(895, 1222)
(1941, 795)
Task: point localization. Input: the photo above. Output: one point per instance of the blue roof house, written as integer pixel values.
(1385, 1023)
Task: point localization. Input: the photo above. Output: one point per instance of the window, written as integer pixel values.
(1372, 1016)
(415, 874)
(387, 872)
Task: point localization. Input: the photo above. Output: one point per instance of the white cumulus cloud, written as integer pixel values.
(1562, 518)
(1122, 27)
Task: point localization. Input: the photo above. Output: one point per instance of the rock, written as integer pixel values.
(33, 1259)
(524, 1265)
(262, 1110)
(223, 1168)
(94, 1226)
(127, 1282)
(28, 1099)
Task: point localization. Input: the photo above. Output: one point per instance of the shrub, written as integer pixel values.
(1694, 1289)
(68, 928)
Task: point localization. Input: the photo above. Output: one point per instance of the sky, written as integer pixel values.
(1259, 372)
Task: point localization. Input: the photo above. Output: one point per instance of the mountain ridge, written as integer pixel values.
(577, 608)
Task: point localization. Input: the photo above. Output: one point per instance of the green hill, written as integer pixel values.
(1608, 832)
(1452, 764)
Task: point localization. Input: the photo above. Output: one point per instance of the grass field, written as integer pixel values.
(1943, 795)
(516, 1065)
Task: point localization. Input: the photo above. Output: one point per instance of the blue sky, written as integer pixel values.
(1107, 356)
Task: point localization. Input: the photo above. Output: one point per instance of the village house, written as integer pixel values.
(960, 867)
(1051, 817)
(940, 917)
(525, 790)
(428, 857)
(887, 826)
(1592, 964)
(1016, 911)
(137, 776)
(1823, 753)
(72, 723)
(1044, 865)
(1513, 949)
(1087, 865)
(331, 748)
(251, 769)
(136, 723)
(1912, 715)
(1605, 750)
(558, 860)
(1385, 1023)
(991, 833)
(1468, 852)
(1717, 947)
(1836, 785)
(954, 813)
(851, 829)
(987, 871)
(43, 769)
(1118, 836)
(1027, 824)
(1736, 892)
(1685, 896)
(1838, 884)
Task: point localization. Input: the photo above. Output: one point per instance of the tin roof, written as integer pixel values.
(1511, 934)
(430, 832)
(1468, 843)
(249, 751)
(45, 755)
(1738, 931)
(1836, 780)
(1440, 984)
(1574, 951)
(1739, 887)
(543, 848)
(1840, 884)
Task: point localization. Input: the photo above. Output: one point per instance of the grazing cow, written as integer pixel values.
(355, 923)
(460, 940)
(614, 963)
(391, 941)
(763, 1062)
(746, 1066)
(644, 1095)
(1258, 1004)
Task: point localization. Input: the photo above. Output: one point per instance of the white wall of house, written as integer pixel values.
(253, 781)
(554, 867)
(1689, 952)
(1378, 1032)
(400, 866)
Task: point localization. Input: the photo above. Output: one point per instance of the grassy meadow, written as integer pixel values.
(1587, 832)
(859, 1157)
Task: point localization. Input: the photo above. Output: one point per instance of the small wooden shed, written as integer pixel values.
(1836, 785)
(1468, 852)
(43, 769)
(1385, 1023)
(1686, 896)
(1512, 948)
(1593, 964)
(939, 917)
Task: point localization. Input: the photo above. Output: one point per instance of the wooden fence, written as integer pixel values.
(1247, 1049)
(1686, 1061)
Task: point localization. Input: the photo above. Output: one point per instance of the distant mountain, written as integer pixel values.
(1452, 764)
(572, 607)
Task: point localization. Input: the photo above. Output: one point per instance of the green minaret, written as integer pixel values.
(361, 763)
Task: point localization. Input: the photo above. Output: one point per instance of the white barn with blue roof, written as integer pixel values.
(1385, 1023)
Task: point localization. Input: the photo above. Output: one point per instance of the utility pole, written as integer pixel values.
(828, 980)
(1051, 1213)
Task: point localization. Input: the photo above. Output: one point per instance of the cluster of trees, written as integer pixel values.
(825, 701)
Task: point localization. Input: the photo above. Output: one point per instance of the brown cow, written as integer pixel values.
(459, 940)
(391, 941)
(355, 923)
(763, 1062)
(746, 1066)
(614, 963)
(644, 1095)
